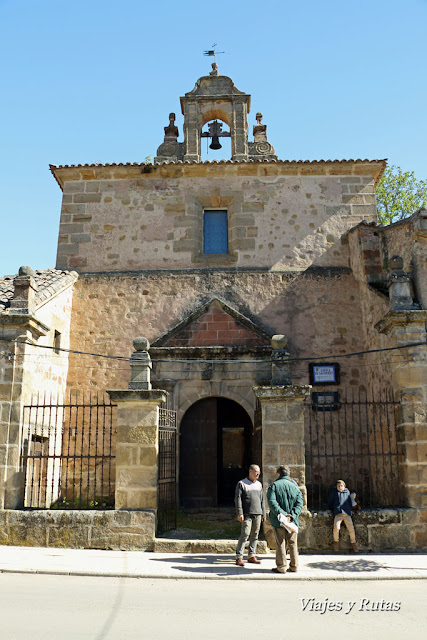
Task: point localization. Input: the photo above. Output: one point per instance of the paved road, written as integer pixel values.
(47, 607)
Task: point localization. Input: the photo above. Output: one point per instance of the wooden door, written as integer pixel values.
(198, 455)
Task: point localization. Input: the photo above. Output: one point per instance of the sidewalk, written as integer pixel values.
(138, 564)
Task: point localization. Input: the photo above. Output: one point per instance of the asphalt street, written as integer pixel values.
(48, 607)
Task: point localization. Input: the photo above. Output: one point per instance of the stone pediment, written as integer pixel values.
(215, 324)
(215, 86)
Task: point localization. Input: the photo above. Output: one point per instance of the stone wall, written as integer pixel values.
(376, 530)
(281, 215)
(319, 311)
(79, 529)
(366, 262)
(408, 239)
(25, 371)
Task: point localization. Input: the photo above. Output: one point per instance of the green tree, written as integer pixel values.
(399, 195)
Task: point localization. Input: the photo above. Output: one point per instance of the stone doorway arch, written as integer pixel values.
(216, 447)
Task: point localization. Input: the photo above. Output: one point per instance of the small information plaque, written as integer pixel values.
(325, 373)
(325, 400)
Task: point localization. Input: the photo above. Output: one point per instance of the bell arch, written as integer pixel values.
(214, 97)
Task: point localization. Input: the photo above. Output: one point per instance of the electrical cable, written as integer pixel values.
(252, 361)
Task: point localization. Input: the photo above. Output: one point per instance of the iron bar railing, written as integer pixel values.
(353, 439)
(67, 452)
(167, 487)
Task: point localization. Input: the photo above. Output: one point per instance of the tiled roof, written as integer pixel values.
(250, 161)
(148, 167)
(48, 282)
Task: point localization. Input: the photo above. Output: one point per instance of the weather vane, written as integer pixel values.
(212, 52)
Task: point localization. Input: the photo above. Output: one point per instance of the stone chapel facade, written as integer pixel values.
(241, 274)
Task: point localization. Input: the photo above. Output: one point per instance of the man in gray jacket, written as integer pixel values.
(285, 498)
(250, 508)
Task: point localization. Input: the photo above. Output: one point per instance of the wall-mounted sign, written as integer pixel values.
(325, 373)
(325, 400)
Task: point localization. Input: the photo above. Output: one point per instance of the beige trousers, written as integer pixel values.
(285, 539)
(343, 517)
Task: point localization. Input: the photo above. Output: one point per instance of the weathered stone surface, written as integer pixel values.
(143, 518)
(390, 537)
(420, 537)
(24, 535)
(135, 529)
(76, 537)
(148, 456)
(292, 454)
(136, 477)
(292, 432)
(410, 516)
(136, 498)
(143, 435)
(122, 518)
(388, 516)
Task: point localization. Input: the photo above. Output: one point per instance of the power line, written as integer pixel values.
(215, 361)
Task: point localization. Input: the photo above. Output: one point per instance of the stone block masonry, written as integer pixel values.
(115, 220)
(128, 530)
(137, 448)
(125, 530)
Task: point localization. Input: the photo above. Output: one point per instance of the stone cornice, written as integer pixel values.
(284, 393)
(132, 171)
(133, 397)
(210, 353)
(19, 321)
(400, 319)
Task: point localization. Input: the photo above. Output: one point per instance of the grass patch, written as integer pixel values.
(205, 525)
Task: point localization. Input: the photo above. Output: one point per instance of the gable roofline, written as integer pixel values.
(180, 168)
(202, 309)
(49, 283)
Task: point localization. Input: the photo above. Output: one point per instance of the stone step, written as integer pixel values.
(167, 545)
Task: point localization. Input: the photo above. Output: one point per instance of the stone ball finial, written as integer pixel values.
(279, 342)
(26, 271)
(258, 117)
(141, 344)
(396, 262)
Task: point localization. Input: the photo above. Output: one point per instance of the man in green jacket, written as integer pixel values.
(285, 498)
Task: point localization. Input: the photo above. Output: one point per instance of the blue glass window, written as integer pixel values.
(215, 232)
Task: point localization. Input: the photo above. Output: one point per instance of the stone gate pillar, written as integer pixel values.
(282, 414)
(409, 378)
(17, 382)
(137, 435)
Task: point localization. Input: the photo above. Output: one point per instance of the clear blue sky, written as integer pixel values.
(94, 81)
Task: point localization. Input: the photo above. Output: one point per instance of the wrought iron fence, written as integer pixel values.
(167, 499)
(67, 453)
(355, 440)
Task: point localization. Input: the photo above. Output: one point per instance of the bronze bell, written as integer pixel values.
(215, 144)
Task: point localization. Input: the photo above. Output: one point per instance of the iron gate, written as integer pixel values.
(353, 439)
(167, 499)
(67, 453)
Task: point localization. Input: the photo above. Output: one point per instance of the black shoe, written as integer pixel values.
(276, 570)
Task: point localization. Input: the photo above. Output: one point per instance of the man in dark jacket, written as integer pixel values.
(250, 510)
(285, 498)
(340, 504)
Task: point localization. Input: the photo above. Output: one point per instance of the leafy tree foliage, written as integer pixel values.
(399, 195)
